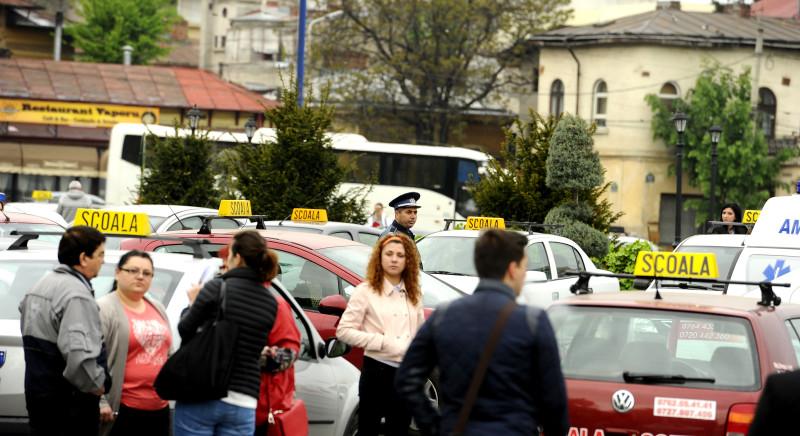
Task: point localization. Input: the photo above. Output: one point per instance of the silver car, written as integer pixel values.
(329, 386)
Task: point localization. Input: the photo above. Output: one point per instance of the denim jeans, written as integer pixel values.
(213, 418)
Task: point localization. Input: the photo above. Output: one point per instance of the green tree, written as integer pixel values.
(178, 171)
(426, 62)
(109, 25)
(298, 168)
(747, 172)
(574, 170)
(621, 259)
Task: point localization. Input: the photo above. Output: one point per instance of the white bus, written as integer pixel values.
(439, 174)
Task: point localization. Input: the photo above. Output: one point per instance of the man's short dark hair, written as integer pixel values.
(77, 240)
(495, 250)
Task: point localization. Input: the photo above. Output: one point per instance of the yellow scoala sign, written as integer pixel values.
(309, 215)
(41, 195)
(114, 223)
(676, 265)
(484, 222)
(71, 114)
(234, 208)
(750, 216)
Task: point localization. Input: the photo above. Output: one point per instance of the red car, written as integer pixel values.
(688, 364)
(319, 271)
(24, 222)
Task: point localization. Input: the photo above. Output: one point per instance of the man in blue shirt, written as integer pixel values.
(523, 388)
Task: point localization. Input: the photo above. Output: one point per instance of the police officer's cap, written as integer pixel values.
(409, 199)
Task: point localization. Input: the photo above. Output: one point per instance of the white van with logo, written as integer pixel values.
(771, 252)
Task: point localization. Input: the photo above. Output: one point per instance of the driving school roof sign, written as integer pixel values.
(676, 265)
(484, 222)
(114, 223)
(71, 114)
(309, 215)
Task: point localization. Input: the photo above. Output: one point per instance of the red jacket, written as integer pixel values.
(277, 389)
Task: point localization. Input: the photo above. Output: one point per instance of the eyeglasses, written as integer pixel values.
(136, 271)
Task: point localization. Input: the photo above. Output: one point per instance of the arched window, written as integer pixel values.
(557, 97)
(600, 108)
(767, 106)
(668, 93)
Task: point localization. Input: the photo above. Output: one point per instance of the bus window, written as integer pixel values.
(429, 172)
(467, 172)
(132, 149)
(361, 167)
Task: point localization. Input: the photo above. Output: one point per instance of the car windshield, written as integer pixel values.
(7, 228)
(356, 257)
(726, 258)
(437, 254)
(692, 349)
(18, 276)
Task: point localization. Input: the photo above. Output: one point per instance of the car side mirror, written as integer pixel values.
(332, 305)
(641, 284)
(535, 276)
(336, 348)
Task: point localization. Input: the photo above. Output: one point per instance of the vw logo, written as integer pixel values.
(622, 401)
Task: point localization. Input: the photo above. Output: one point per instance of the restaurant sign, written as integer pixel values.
(71, 114)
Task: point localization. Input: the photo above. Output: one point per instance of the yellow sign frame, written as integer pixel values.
(664, 264)
(71, 114)
(484, 222)
(234, 208)
(303, 215)
(114, 223)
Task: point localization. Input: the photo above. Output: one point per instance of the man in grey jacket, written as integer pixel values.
(65, 359)
(75, 198)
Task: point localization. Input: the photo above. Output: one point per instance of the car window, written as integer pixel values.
(793, 326)
(305, 336)
(18, 276)
(566, 258)
(195, 222)
(368, 238)
(771, 267)
(212, 249)
(437, 254)
(537, 259)
(306, 281)
(726, 256)
(601, 343)
(343, 235)
(7, 228)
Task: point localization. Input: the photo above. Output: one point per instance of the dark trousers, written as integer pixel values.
(67, 414)
(135, 422)
(378, 399)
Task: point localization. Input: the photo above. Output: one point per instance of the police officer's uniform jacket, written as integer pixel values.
(397, 228)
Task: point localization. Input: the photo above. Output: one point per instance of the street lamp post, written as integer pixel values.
(194, 118)
(250, 129)
(716, 132)
(680, 121)
(147, 119)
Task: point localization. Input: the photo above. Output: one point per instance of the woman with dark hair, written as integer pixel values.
(730, 213)
(138, 340)
(382, 316)
(252, 308)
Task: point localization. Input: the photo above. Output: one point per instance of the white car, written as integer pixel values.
(165, 217)
(448, 255)
(329, 386)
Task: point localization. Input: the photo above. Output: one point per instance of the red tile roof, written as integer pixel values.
(135, 85)
(28, 4)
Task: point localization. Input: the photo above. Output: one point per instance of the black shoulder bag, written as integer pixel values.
(480, 370)
(201, 368)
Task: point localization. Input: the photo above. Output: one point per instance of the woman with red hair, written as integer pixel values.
(382, 316)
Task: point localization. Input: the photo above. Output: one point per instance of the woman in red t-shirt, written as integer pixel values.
(138, 340)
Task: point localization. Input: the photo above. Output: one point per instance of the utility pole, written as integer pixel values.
(301, 46)
(58, 31)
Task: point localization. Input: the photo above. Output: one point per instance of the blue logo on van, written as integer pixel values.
(2, 358)
(790, 227)
(773, 272)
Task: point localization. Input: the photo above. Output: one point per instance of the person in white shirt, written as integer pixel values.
(377, 219)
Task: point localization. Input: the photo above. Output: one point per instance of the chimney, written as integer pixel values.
(668, 4)
(126, 54)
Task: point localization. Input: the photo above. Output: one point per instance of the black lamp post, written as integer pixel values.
(716, 132)
(680, 121)
(250, 129)
(194, 118)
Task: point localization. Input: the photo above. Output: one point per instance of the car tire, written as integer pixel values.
(432, 392)
(352, 425)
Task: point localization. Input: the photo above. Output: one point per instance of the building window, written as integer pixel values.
(668, 94)
(600, 103)
(224, 12)
(767, 105)
(222, 41)
(216, 41)
(557, 98)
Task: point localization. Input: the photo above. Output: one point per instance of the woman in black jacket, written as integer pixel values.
(730, 213)
(252, 308)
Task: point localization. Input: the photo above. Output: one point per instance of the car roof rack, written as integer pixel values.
(768, 297)
(710, 225)
(199, 246)
(527, 226)
(205, 228)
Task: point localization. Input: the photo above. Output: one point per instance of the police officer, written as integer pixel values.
(405, 214)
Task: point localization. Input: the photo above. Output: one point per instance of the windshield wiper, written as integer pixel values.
(447, 273)
(635, 377)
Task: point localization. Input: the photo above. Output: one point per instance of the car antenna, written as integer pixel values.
(183, 227)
